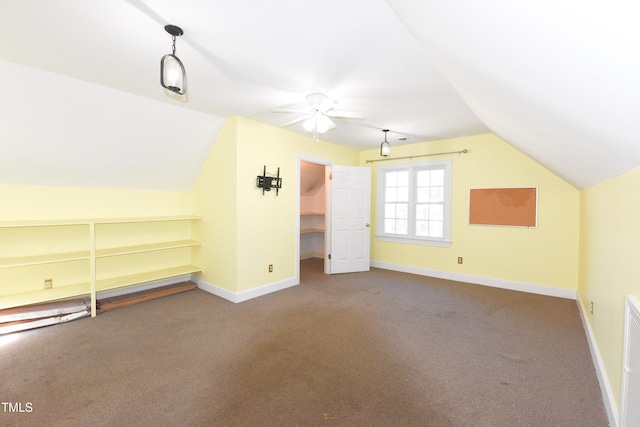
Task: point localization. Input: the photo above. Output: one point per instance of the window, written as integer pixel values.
(414, 203)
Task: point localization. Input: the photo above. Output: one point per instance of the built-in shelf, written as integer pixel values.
(311, 224)
(146, 277)
(35, 297)
(311, 230)
(88, 221)
(146, 248)
(43, 259)
(29, 271)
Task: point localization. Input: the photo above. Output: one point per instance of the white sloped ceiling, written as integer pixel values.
(82, 103)
(559, 80)
(67, 132)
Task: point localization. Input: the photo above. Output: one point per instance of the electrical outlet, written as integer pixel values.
(48, 283)
(270, 268)
(459, 260)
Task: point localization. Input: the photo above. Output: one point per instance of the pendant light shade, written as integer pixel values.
(385, 147)
(172, 74)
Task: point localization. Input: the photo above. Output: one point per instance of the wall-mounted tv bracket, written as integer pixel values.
(268, 181)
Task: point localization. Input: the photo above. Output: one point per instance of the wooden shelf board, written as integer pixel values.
(140, 278)
(43, 259)
(311, 230)
(87, 221)
(107, 304)
(35, 297)
(75, 290)
(312, 213)
(146, 248)
(145, 219)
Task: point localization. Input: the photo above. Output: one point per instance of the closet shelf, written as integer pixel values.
(312, 230)
(312, 213)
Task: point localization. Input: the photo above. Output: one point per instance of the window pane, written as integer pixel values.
(436, 212)
(413, 203)
(436, 229)
(422, 229)
(403, 178)
(402, 210)
(390, 195)
(391, 179)
(401, 226)
(389, 210)
(422, 195)
(403, 194)
(422, 212)
(424, 178)
(437, 195)
(390, 226)
(437, 177)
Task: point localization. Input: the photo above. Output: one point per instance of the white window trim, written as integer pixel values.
(445, 241)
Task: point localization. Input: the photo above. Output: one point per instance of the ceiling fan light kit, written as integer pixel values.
(172, 73)
(318, 123)
(385, 147)
(317, 118)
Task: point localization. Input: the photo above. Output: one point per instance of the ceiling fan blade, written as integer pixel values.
(320, 102)
(345, 114)
(294, 121)
(326, 105)
(289, 110)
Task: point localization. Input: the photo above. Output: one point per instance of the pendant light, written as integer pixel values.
(172, 74)
(385, 147)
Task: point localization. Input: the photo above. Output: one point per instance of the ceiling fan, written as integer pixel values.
(317, 116)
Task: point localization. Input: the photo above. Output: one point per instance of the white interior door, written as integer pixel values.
(630, 409)
(350, 219)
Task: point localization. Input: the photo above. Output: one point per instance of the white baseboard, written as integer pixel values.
(479, 280)
(144, 287)
(237, 297)
(605, 385)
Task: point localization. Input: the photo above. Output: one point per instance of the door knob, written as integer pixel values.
(367, 225)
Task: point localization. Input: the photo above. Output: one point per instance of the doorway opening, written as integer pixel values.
(333, 220)
(314, 221)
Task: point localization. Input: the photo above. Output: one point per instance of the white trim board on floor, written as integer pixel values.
(603, 379)
(143, 287)
(237, 297)
(479, 280)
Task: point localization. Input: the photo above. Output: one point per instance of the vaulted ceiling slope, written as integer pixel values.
(82, 103)
(560, 80)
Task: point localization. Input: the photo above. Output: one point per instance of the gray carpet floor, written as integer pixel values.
(380, 348)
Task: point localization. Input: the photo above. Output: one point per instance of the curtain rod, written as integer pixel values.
(418, 155)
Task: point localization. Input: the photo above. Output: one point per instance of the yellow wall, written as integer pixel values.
(259, 229)
(22, 202)
(610, 244)
(24, 285)
(215, 199)
(584, 241)
(546, 256)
